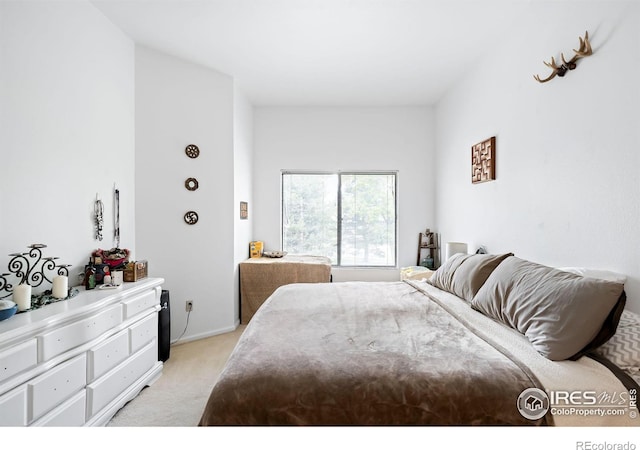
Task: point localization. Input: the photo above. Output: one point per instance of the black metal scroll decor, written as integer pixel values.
(31, 268)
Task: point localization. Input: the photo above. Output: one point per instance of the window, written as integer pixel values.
(348, 216)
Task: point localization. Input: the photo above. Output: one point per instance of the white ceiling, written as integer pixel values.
(324, 52)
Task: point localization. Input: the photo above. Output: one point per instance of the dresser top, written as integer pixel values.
(85, 303)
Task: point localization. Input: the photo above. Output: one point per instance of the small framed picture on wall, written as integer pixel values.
(244, 210)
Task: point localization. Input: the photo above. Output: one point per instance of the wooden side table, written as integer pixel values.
(260, 277)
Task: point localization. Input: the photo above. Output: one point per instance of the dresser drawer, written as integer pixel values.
(107, 388)
(13, 408)
(78, 333)
(107, 355)
(55, 386)
(18, 358)
(137, 305)
(143, 331)
(70, 414)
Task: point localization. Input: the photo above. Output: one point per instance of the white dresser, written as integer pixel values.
(78, 361)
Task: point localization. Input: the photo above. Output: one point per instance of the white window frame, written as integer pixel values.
(339, 173)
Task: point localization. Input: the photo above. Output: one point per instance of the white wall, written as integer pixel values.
(66, 129)
(567, 191)
(177, 104)
(326, 138)
(243, 184)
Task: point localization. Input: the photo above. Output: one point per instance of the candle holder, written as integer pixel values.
(31, 268)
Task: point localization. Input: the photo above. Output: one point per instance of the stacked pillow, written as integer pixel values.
(564, 315)
(463, 275)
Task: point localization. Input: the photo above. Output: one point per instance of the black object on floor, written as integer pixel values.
(164, 327)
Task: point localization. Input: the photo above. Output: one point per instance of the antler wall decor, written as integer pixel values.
(584, 50)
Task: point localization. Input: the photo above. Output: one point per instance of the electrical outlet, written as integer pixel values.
(189, 306)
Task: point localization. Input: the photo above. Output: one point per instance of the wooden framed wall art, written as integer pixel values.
(483, 161)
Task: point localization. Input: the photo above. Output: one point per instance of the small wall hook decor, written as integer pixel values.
(561, 70)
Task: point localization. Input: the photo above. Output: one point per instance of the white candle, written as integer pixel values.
(22, 296)
(60, 286)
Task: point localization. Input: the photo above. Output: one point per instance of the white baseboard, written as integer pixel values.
(196, 337)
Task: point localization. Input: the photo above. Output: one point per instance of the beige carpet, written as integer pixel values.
(178, 397)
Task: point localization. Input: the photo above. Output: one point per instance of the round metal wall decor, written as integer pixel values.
(192, 151)
(191, 217)
(191, 184)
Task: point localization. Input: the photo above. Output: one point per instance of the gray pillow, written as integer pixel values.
(562, 314)
(463, 275)
(443, 276)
